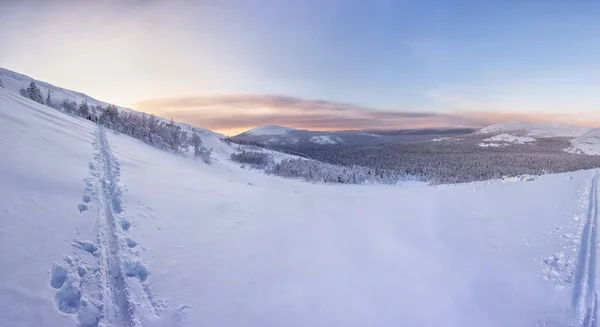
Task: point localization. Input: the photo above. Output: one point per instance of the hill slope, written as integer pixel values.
(540, 131)
(588, 143)
(106, 230)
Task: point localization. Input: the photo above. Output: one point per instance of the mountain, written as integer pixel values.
(269, 130)
(14, 81)
(287, 136)
(588, 143)
(100, 229)
(539, 131)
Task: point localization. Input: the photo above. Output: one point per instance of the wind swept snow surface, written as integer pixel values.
(99, 229)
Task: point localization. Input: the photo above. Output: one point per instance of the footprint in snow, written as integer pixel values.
(135, 269)
(125, 225)
(131, 243)
(86, 246)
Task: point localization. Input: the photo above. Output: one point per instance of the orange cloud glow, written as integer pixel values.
(234, 113)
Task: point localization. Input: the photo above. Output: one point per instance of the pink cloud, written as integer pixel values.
(234, 113)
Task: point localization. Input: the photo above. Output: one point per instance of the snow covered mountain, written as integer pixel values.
(588, 143)
(13, 82)
(269, 130)
(101, 229)
(287, 136)
(537, 131)
(106, 230)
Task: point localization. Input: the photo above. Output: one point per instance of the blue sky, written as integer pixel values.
(498, 57)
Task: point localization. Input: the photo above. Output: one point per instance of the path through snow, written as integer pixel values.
(105, 284)
(584, 300)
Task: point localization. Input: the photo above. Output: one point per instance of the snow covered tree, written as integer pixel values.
(110, 118)
(23, 92)
(196, 143)
(256, 159)
(49, 100)
(34, 93)
(2, 84)
(84, 110)
(68, 106)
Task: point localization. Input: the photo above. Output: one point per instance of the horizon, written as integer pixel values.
(231, 66)
(237, 131)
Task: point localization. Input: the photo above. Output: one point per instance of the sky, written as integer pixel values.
(317, 64)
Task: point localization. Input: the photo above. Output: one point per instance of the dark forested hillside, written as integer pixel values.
(452, 160)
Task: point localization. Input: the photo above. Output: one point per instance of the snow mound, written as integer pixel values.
(325, 139)
(589, 143)
(511, 139)
(270, 130)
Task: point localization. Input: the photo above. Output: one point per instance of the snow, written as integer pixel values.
(325, 139)
(536, 130)
(510, 126)
(270, 130)
(165, 240)
(510, 139)
(13, 82)
(588, 143)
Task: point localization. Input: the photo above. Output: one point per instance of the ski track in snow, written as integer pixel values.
(104, 285)
(118, 308)
(584, 300)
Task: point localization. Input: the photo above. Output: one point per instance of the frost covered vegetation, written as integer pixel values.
(446, 161)
(316, 171)
(148, 128)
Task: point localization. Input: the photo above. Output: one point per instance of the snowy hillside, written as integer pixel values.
(502, 140)
(588, 143)
(538, 131)
(14, 81)
(510, 126)
(270, 130)
(325, 139)
(100, 229)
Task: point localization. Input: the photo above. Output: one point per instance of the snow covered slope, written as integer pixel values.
(325, 139)
(510, 126)
(538, 131)
(102, 229)
(510, 139)
(13, 82)
(588, 143)
(270, 130)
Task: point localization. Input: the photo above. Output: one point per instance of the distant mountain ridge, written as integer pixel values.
(274, 135)
(536, 130)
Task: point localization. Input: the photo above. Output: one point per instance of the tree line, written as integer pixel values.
(148, 128)
(317, 171)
